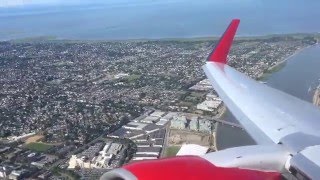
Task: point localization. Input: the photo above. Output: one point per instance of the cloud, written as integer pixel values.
(14, 3)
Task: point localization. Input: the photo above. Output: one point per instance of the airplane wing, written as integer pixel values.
(286, 129)
(268, 115)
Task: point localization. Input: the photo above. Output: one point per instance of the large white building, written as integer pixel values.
(194, 123)
(211, 103)
(134, 126)
(203, 85)
(158, 114)
(102, 160)
(150, 119)
(205, 125)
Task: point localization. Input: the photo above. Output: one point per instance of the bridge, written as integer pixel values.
(228, 123)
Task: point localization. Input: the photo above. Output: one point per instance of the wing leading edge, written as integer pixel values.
(268, 115)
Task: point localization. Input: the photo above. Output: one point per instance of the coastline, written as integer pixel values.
(287, 58)
(48, 38)
(316, 97)
(221, 112)
(214, 134)
(280, 64)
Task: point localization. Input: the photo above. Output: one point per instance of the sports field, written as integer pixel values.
(35, 138)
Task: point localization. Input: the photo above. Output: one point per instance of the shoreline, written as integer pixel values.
(285, 59)
(214, 137)
(274, 69)
(191, 38)
(316, 97)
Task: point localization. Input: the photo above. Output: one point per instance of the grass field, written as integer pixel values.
(172, 150)
(39, 147)
(133, 77)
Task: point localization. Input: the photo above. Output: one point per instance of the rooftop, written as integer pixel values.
(135, 125)
(157, 114)
(192, 149)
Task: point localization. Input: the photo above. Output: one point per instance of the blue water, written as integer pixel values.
(300, 76)
(132, 19)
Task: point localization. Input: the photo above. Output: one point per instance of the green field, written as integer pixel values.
(133, 77)
(39, 147)
(172, 150)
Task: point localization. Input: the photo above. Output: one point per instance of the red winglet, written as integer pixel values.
(220, 53)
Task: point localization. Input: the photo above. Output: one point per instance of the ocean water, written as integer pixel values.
(136, 19)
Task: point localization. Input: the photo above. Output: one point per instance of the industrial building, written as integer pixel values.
(178, 122)
(134, 126)
(94, 158)
(211, 103)
(194, 124)
(203, 85)
(44, 160)
(165, 119)
(168, 116)
(18, 174)
(150, 119)
(205, 126)
(148, 133)
(149, 151)
(114, 148)
(158, 114)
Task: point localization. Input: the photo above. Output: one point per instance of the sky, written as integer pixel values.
(21, 3)
(15, 3)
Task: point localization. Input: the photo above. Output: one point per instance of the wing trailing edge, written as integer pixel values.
(221, 51)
